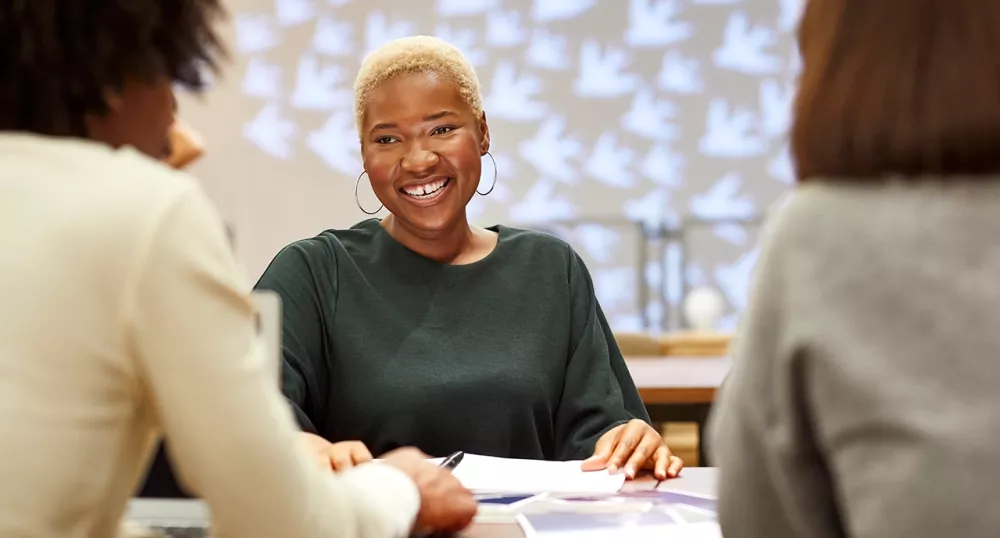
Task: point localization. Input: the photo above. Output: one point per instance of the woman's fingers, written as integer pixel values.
(647, 447)
(360, 453)
(630, 438)
(661, 462)
(347, 454)
(674, 469)
(603, 449)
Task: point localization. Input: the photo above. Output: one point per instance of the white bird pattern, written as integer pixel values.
(655, 111)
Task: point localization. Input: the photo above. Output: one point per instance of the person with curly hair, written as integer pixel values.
(124, 315)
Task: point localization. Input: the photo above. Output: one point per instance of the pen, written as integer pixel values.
(452, 461)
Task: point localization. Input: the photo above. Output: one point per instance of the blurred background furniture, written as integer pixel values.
(695, 344)
(674, 344)
(677, 375)
(661, 256)
(639, 344)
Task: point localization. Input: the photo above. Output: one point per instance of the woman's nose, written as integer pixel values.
(418, 160)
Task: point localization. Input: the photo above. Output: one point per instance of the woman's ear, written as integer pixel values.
(484, 139)
(114, 100)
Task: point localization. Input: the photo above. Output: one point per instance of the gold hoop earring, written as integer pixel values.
(494, 176)
(357, 200)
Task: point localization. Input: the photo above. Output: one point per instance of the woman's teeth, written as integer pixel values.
(427, 189)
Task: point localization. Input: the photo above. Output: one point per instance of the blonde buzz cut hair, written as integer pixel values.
(416, 54)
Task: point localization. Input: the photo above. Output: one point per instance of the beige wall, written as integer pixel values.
(269, 203)
(640, 141)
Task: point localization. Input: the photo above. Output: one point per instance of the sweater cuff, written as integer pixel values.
(387, 494)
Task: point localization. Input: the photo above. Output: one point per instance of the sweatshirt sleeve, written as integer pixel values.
(598, 393)
(773, 478)
(232, 435)
(307, 285)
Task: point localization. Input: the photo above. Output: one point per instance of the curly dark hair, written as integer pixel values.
(58, 58)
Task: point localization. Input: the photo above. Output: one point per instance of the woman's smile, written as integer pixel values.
(428, 193)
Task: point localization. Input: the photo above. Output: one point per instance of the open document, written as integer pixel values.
(486, 474)
(643, 525)
(636, 514)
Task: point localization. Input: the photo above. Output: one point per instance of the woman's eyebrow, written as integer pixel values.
(439, 115)
(431, 117)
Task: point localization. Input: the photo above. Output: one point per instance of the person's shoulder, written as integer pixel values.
(804, 213)
(359, 236)
(541, 253)
(813, 213)
(879, 219)
(830, 232)
(540, 243)
(125, 189)
(323, 247)
(361, 233)
(144, 178)
(120, 204)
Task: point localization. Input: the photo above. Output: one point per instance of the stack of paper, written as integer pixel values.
(644, 525)
(485, 474)
(502, 507)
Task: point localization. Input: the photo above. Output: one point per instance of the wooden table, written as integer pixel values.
(679, 389)
(678, 380)
(697, 480)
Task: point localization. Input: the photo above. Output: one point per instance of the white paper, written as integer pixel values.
(485, 474)
(695, 530)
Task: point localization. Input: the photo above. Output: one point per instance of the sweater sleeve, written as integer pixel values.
(232, 435)
(773, 478)
(307, 285)
(598, 392)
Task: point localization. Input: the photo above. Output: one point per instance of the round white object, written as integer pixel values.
(703, 307)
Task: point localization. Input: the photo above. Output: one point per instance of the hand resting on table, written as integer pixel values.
(633, 446)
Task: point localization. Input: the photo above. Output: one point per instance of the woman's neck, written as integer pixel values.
(451, 246)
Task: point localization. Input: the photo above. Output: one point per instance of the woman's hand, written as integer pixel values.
(336, 456)
(445, 505)
(634, 446)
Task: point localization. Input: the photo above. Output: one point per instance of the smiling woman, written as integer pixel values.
(423, 134)
(422, 329)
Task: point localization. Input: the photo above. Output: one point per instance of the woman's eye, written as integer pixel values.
(383, 140)
(442, 130)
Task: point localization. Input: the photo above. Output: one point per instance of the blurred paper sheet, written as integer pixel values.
(485, 474)
(647, 525)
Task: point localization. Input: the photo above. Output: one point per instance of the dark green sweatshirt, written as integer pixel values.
(508, 356)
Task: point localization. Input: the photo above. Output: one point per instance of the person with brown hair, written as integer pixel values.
(862, 400)
(124, 315)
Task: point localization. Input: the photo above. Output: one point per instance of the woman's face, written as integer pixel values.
(140, 116)
(421, 144)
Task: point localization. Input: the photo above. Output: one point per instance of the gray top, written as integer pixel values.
(863, 400)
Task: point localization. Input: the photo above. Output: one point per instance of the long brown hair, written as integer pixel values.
(898, 87)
